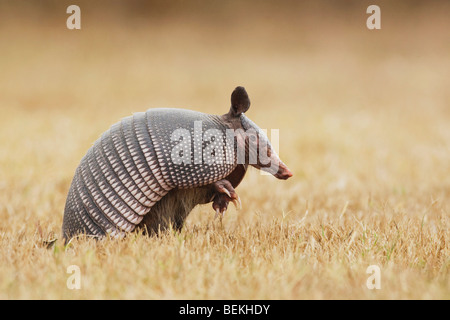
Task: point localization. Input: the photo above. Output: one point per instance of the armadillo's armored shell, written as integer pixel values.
(130, 168)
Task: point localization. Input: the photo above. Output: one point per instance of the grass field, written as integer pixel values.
(364, 126)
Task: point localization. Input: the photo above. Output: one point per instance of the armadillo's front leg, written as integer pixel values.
(224, 193)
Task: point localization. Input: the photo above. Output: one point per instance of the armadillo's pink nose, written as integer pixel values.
(283, 172)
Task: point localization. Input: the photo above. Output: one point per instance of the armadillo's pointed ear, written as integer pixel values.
(240, 101)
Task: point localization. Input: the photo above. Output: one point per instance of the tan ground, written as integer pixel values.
(364, 125)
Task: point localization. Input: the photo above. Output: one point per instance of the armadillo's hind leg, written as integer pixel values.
(224, 193)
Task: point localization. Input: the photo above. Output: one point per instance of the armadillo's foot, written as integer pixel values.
(220, 204)
(224, 194)
(225, 187)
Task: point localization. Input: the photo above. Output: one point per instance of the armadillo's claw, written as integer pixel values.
(224, 186)
(220, 214)
(220, 204)
(226, 192)
(217, 213)
(237, 202)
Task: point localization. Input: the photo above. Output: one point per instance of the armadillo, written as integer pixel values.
(151, 169)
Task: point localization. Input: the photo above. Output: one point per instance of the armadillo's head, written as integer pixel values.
(253, 146)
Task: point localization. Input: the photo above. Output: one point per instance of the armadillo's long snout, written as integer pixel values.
(263, 147)
(283, 172)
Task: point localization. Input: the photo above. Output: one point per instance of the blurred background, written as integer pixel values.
(361, 113)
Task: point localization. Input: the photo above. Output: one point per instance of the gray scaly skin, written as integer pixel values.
(127, 179)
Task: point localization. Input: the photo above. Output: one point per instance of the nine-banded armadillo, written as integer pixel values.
(151, 169)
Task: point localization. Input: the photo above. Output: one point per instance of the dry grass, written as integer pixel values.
(363, 119)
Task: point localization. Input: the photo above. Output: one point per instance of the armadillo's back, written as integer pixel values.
(130, 168)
